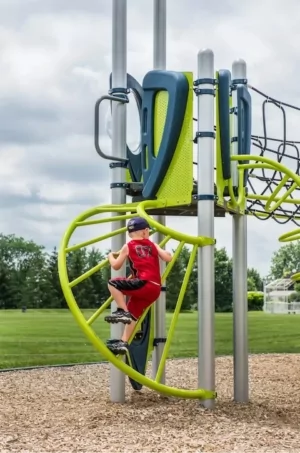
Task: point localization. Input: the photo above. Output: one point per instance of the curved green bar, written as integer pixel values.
(274, 201)
(267, 161)
(293, 235)
(84, 325)
(172, 327)
(270, 164)
(296, 277)
(201, 241)
(265, 198)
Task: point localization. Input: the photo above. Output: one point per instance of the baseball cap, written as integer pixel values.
(136, 224)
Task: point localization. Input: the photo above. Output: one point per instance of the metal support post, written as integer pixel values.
(159, 62)
(239, 244)
(119, 80)
(206, 268)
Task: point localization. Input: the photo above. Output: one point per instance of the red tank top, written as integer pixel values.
(144, 260)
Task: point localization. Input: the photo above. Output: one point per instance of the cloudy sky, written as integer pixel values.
(55, 60)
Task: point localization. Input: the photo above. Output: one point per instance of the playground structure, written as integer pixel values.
(159, 180)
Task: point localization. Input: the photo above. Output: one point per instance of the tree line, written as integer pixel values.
(29, 278)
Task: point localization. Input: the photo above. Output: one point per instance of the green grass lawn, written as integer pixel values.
(47, 337)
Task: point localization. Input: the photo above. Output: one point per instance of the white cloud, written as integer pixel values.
(55, 61)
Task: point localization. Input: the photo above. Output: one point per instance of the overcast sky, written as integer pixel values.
(55, 60)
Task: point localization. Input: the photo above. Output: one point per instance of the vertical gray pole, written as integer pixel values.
(159, 34)
(239, 243)
(119, 80)
(159, 62)
(206, 280)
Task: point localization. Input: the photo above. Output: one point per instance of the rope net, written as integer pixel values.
(273, 142)
(271, 119)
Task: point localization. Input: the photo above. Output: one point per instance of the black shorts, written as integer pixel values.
(127, 284)
(142, 293)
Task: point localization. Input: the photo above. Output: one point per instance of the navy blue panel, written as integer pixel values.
(135, 160)
(224, 121)
(244, 124)
(155, 168)
(138, 350)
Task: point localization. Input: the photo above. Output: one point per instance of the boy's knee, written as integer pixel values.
(112, 284)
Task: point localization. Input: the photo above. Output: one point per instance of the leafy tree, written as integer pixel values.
(295, 296)
(25, 260)
(76, 267)
(31, 295)
(251, 284)
(297, 287)
(190, 297)
(98, 291)
(29, 276)
(254, 280)
(174, 282)
(7, 293)
(286, 260)
(52, 295)
(20, 254)
(223, 281)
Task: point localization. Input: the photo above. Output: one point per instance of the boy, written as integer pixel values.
(143, 288)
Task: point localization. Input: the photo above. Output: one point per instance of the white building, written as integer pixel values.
(276, 297)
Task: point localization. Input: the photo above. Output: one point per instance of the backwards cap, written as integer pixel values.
(137, 224)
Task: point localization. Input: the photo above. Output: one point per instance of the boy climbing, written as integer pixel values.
(143, 288)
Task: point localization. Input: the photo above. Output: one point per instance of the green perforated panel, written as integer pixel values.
(178, 183)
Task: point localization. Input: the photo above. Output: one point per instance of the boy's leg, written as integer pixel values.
(121, 346)
(118, 297)
(137, 303)
(122, 314)
(128, 331)
(136, 306)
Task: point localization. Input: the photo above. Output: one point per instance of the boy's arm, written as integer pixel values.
(117, 263)
(164, 254)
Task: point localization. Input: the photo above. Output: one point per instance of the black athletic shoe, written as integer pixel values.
(118, 347)
(112, 340)
(119, 316)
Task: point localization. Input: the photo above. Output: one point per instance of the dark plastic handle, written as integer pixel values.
(224, 121)
(244, 120)
(106, 97)
(244, 124)
(134, 158)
